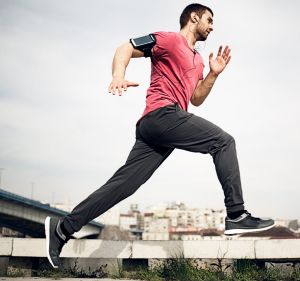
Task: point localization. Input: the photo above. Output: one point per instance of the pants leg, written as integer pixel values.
(175, 128)
(141, 163)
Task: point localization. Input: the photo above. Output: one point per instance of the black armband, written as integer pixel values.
(144, 44)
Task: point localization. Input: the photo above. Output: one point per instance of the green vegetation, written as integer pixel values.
(177, 269)
(15, 272)
(45, 270)
(181, 269)
(184, 269)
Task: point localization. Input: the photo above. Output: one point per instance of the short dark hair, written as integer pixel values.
(186, 13)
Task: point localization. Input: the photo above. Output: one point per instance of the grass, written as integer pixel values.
(45, 270)
(177, 269)
(185, 270)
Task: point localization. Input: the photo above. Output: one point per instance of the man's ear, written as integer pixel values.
(194, 17)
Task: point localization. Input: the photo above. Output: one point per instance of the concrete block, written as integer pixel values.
(36, 247)
(209, 249)
(93, 266)
(157, 249)
(6, 244)
(96, 248)
(29, 247)
(4, 261)
(219, 249)
(277, 249)
(19, 267)
(224, 265)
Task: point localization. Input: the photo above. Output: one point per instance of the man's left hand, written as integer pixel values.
(218, 64)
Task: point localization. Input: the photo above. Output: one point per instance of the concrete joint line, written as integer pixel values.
(12, 246)
(131, 249)
(254, 244)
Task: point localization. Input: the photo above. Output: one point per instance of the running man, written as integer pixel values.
(176, 80)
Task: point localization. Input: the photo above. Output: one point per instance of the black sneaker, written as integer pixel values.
(246, 223)
(55, 240)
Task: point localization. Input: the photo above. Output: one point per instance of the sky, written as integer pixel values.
(63, 135)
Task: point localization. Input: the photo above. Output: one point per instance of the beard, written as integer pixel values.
(202, 35)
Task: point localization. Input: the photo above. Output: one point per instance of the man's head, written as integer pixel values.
(198, 19)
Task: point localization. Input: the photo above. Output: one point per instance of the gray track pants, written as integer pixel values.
(157, 134)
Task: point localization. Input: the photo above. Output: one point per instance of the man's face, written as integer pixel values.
(204, 26)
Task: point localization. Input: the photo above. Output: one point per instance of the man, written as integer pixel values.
(176, 79)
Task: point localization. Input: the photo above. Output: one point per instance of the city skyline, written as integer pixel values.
(127, 209)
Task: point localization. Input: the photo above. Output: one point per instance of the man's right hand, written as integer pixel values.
(118, 84)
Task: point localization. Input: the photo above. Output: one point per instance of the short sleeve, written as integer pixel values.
(163, 43)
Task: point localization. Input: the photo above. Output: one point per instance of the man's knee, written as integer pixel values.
(223, 141)
(227, 138)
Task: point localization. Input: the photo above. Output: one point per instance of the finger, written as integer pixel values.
(132, 84)
(226, 54)
(227, 51)
(228, 60)
(211, 56)
(120, 90)
(114, 90)
(110, 88)
(220, 51)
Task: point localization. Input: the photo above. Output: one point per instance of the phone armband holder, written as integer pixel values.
(144, 43)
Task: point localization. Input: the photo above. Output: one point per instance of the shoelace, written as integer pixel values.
(249, 214)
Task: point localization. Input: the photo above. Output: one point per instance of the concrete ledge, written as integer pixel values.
(156, 249)
(273, 249)
(28, 247)
(223, 249)
(284, 249)
(86, 248)
(6, 245)
(95, 248)
(194, 249)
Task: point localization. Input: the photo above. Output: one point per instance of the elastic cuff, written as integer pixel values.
(59, 231)
(66, 228)
(235, 208)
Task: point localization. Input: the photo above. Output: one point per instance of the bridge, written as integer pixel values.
(27, 216)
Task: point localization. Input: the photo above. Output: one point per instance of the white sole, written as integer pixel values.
(47, 232)
(241, 231)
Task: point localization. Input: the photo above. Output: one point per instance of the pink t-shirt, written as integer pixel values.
(175, 71)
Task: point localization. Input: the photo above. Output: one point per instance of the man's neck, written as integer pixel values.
(189, 36)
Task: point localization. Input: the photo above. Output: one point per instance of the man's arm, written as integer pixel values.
(203, 89)
(217, 65)
(121, 59)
